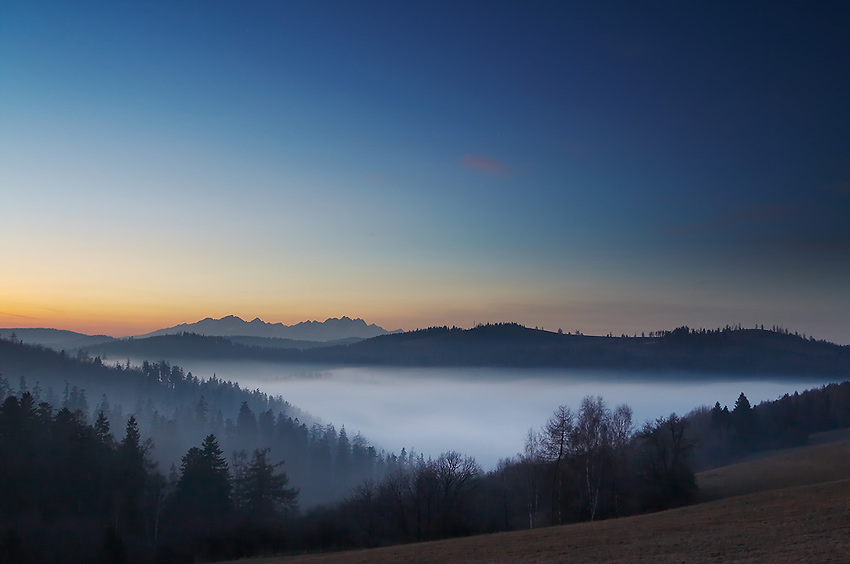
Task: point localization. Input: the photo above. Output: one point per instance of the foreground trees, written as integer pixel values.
(261, 490)
(664, 466)
(71, 493)
(586, 465)
(99, 499)
(583, 465)
(203, 492)
(69, 482)
(60, 472)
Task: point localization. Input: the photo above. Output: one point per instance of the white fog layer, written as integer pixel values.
(483, 412)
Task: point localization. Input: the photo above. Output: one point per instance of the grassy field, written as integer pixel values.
(783, 469)
(791, 507)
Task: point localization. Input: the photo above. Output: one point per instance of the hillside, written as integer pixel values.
(177, 410)
(780, 469)
(750, 351)
(728, 351)
(796, 523)
(56, 339)
(194, 346)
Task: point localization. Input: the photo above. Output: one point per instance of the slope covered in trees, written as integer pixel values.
(176, 410)
(101, 498)
(72, 492)
(728, 350)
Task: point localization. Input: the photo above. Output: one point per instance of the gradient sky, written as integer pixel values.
(606, 167)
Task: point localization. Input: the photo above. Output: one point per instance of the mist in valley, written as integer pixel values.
(482, 412)
(364, 456)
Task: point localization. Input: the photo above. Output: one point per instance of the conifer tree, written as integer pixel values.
(204, 487)
(262, 490)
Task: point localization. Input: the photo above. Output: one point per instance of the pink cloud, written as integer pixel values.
(483, 164)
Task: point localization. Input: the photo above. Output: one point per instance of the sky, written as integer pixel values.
(606, 167)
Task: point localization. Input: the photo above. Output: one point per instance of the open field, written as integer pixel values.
(800, 512)
(783, 469)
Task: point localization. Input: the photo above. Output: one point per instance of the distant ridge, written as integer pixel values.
(729, 351)
(726, 351)
(332, 329)
(57, 339)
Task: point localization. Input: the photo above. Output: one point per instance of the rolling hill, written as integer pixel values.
(728, 351)
(741, 351)
(56, 339)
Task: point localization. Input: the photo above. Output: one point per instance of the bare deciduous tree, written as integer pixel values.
(532, 458)
(556, 443)
(590, 437)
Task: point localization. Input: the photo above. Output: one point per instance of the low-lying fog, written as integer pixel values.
(483, 412)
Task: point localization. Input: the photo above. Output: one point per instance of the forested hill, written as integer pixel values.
(176, 410)
(728, 350)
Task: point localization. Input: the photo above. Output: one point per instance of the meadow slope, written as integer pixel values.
(796, 521)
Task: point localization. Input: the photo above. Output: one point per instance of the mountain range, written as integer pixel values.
(307, 334)
(332, 329)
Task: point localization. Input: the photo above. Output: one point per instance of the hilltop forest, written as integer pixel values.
(202, 469)
(728, 350)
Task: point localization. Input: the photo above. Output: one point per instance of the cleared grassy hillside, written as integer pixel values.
(800, 512)
(781, 469)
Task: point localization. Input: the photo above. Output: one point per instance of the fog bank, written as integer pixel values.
(482, 412)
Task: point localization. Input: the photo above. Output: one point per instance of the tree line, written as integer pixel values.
(581, 465)
(177, 410)
(72, 492)
(722, 435)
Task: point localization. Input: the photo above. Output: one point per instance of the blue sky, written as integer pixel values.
(613, 167)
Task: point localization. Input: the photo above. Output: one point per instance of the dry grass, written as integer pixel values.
(796, 523)
(784, 469)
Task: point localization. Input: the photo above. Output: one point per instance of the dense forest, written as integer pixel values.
(176, 410)
(249, 478)
(728, 350)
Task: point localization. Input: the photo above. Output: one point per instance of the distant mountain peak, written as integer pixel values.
(332, 329)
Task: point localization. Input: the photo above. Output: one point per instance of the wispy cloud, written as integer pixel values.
(10, 314)
(484, 165)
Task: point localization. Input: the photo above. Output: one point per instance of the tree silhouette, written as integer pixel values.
(556, 443)
(132, 477)
(261, 490)
(664, 467)
(246, 425)
(744, 424)
(204, 488)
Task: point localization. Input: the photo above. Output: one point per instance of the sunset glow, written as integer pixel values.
(414, 165)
